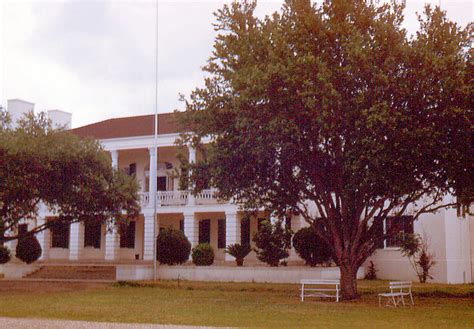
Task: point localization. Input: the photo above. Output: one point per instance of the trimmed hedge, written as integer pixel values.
(203, 254)
(5, 255)
(28, 249)
(310, 247)
(172, 247)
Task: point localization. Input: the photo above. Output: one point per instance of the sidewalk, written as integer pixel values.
(13, 323)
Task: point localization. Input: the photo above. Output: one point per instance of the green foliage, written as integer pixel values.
(418, 252)
(332, 104)
(172, 247)
(372, 272)
(272, 242)
(28, 249)
(310, 247)
(73, 176)
(203, 254)
(239, 252)
(5, 255)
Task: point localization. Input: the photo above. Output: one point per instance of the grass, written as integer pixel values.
(235, 304)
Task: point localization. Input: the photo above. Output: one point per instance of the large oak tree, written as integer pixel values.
(73, 177)
(334, 105)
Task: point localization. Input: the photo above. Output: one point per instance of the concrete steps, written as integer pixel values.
(74, 272)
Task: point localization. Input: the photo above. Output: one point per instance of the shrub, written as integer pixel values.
(5, 255)
(239, 252)
(203, 254)
(418, 252)
(310, 247)
(172, 247)
(272, 242)
(28, 249)
(371, 272)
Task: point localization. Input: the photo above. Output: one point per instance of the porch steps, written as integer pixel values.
(74, 272)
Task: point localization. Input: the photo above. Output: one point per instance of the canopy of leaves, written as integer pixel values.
(333, 105)
(73, 177)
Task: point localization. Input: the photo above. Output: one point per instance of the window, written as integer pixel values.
(127, 235)
(132, 169)
(245, 231)
(221, 233)
(181, 225)
(205, 231)
(288, 222)
(22, 230)
(161, 183)
(260, 223)
(92, 234)
(60, 235)
(396, 227)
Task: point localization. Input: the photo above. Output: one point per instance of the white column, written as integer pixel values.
(76, 241)
(152, 176)
(192, 159)
(114, 155)
(44, 240)
(112, 244)
(232, 231)
(191, 228)
(11, 245)
(148, 238)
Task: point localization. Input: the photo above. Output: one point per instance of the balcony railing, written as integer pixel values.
(178, 198)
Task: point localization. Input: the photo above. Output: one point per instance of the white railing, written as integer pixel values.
(172, 198)
(206, 197)
(178, 198)
(144, 198)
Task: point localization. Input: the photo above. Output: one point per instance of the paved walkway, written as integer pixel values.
(13, 323)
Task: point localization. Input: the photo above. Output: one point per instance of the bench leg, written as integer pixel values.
(302, 293)
(411, 298)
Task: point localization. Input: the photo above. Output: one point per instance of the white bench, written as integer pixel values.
(320, 288)
(398, 289)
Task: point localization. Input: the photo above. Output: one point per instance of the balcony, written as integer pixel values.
(178, 198)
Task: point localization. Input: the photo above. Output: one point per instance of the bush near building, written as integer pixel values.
(203, 254)
(5, 255)
(310, 247)
(28, 249)
(172, 247)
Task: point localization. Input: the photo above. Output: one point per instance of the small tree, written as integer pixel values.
(239, 252)
(272, 242)
(5, 255)
(372, 272)
(28, 249)
(172, 247)
(203, 254)
(417, 250)
(310, 247)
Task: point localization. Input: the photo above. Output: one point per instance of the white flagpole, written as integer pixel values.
(155, 140)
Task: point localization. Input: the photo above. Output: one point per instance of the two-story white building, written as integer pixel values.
(203, 218)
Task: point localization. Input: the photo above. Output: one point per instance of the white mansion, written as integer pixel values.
(203, 218)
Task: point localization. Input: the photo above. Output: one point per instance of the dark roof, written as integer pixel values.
(130, 126)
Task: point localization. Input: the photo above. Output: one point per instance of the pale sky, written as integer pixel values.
(96, 59)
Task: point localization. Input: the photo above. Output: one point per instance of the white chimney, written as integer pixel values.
(17, 108)
(60, 119)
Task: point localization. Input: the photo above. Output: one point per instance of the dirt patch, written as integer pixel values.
(19, 287)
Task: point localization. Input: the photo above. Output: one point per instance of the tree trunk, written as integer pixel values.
(349, 281)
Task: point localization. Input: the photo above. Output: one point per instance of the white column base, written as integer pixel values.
(44, 240)
(232, 231)
(148, 238)
(191, 229)
(112, 244)
(76, 241)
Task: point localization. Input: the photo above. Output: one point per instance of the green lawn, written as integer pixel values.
(235, 304)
